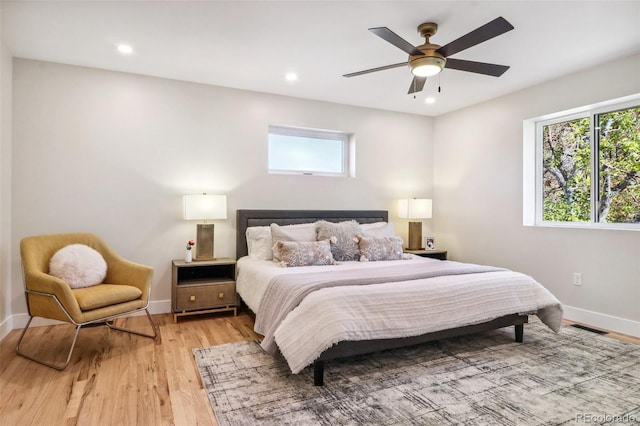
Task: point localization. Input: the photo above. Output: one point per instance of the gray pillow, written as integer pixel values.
(380, 248)
(304, 253)
(344, 243)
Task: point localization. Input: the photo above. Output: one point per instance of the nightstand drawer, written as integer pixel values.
(205, 296)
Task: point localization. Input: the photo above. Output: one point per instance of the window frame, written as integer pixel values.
(533, 170)
(345, 138)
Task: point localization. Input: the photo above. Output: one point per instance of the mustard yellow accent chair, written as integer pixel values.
(124, 291)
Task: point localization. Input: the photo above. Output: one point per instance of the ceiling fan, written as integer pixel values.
(429, 59)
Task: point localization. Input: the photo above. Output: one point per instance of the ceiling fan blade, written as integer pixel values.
(393, 38)
(386, 67)
(417, 85)
(477, 67)
(486, 32)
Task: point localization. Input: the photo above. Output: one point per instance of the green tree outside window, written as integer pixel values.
(568, 172)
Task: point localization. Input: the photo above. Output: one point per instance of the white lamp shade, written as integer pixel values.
(415, 208)
(205, 206)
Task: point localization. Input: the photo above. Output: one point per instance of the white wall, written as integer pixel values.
(5, 189)
(113, 153)
(478, 200)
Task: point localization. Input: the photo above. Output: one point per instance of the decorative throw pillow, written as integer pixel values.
(304, 253)
(343, 238)
(259, 242)
(299, 232)
(78, 265)
(380, 248)
(377, 229)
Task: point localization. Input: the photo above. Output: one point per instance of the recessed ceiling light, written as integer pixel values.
(291, 76)
(125, 49)
(430, 100)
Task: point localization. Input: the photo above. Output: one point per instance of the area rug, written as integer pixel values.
(573, 377)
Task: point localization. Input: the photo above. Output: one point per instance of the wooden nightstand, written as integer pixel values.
(203, 287)
(434, 254)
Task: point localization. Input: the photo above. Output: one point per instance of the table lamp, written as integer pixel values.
(415, 209)
(205, 207)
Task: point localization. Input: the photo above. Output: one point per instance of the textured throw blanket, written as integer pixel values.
(305, 314)
(285, 292)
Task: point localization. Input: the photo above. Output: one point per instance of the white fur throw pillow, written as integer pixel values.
(78, 265)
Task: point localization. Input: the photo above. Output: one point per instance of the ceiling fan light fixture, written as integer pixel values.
(427, 66)
(428, 59)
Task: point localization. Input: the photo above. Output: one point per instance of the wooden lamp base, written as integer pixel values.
(204, 242)
(415, 236)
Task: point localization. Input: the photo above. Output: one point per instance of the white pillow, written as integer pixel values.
(259, 242)
(378, 229)
(302, 232)
(78, 265)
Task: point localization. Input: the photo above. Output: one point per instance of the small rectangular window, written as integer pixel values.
(308, 151)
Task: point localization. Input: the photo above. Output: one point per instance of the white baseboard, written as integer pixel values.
(20, 320)
(6, 326)
(160, 307)
(595, 319)
(604, 321)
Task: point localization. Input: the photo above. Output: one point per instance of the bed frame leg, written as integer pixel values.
(318, 373)
(519, 333)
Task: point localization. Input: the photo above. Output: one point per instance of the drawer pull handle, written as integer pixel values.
(220, 295)
(192, 298)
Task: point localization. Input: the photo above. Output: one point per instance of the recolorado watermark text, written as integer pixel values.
(606, 418)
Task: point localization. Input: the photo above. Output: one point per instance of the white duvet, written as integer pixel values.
(254, 275)
(389, 310)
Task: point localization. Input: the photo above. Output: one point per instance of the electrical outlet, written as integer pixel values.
(577, 278)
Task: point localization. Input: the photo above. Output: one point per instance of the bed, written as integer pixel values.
(357, 308)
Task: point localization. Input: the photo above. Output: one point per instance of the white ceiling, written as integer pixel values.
(252, 44)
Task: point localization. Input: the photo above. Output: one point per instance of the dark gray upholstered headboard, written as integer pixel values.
(247, 218)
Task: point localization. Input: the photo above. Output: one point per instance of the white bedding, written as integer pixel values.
(388, 310)
(254, 275)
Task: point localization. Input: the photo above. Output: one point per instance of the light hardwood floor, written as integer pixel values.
(117, 378)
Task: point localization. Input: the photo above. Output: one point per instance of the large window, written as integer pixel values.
(308, 151)
(566, 171)
(588, 167)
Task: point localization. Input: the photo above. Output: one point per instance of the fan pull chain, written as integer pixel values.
(438, 83)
